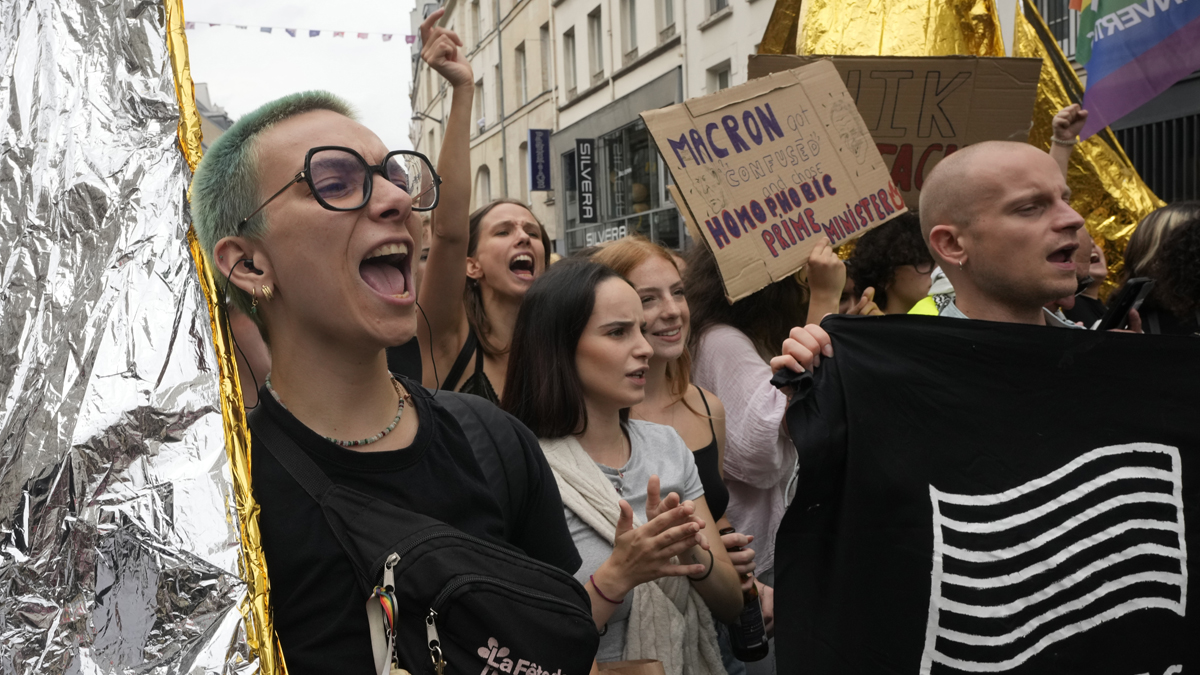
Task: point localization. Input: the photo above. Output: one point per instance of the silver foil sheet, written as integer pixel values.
(118, 535)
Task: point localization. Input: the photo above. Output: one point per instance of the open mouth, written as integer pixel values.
(386, 270)
(1064, 257)
(522, 266)
(638, 376)
(1095, 258)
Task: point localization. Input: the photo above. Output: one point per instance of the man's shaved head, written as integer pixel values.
(953, 191)
(997, 217)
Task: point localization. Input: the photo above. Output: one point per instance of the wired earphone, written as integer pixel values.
(250, 266)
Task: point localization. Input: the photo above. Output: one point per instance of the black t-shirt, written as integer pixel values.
(1086, 311)
(319, 610)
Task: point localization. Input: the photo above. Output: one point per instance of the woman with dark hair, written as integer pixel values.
(475, 279)
(1177, 270)
(732, 345)
(1160, 248)
(894, 260)
(579, 363)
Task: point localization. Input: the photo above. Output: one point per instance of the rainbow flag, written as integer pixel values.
(1134, 50)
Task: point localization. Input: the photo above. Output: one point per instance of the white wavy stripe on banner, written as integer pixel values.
(1088, 609)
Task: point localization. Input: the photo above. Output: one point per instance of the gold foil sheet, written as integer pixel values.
(780, 36)
(899, 28)
(255, 606)
(1105, 188)
(120, 546)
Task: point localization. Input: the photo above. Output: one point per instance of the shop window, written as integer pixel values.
(522, 79)
(480, 116)
(595, 46)
(569, 63)
(629, 31)
(483, 186)
(544, 41)
(571, 194)
(476, 24)
(633, 174)
(718, 77)
(666, 19)
(523, 151)
(499, 94)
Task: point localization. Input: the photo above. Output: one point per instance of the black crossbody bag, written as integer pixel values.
(440, 600)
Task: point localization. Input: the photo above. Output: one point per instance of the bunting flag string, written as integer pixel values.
(294, 32)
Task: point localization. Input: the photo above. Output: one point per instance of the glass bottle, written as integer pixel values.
(748, 633)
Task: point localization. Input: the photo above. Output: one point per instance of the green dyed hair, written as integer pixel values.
(225, 188)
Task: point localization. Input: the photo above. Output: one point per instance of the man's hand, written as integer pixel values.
(803, 349)
(1068, 122)
(441, 48)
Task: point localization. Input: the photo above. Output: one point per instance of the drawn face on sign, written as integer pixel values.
(845, 122)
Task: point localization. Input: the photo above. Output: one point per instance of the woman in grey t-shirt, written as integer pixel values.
(578, 364)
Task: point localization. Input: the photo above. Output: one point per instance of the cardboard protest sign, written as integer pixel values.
(920, 108)
(767, 168)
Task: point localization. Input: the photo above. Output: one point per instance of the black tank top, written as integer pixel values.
(478, 383)
(706, 458)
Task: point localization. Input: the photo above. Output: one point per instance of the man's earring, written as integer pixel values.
(960, 264)
(267, 294)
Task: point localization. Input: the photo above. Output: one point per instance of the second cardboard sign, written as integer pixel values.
(921, 108)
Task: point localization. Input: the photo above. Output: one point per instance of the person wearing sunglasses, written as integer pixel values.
(307, 218)
(893, 260)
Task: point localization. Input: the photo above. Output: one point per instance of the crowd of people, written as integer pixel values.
(662, 465)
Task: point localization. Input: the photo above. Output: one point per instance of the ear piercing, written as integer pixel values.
(267, 294)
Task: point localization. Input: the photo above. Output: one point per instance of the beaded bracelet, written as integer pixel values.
(1060, 142)
(592, 578)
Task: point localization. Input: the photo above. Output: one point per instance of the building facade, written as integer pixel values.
(577, 73)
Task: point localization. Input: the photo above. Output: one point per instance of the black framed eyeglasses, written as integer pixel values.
(341, 179)
(924, 267)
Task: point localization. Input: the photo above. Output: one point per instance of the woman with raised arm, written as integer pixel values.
(480, 265)
(579, 363)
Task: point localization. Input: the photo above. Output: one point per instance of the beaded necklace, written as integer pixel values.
(365, 441)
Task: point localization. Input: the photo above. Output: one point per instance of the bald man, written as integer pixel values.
(997, 218)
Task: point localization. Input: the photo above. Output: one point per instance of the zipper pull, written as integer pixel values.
(389, 577)
(435, 644)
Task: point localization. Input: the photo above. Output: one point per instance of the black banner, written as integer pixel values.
(585, 172)
(978, 497)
